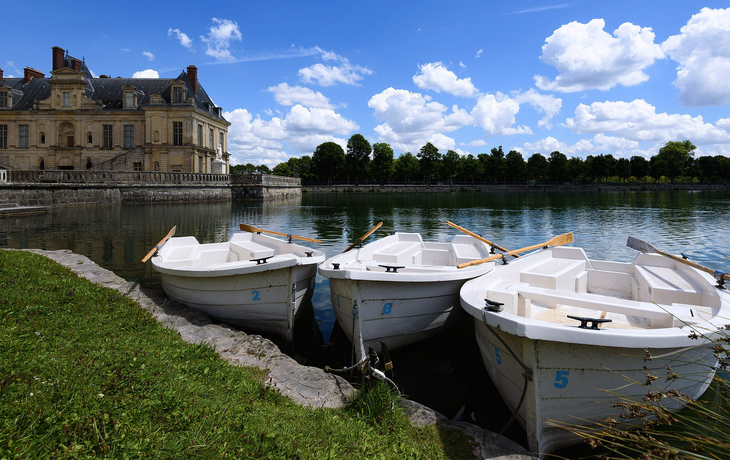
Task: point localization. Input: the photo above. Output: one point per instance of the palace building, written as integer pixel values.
(73, 120)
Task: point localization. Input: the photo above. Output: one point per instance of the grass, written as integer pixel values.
(86, 373)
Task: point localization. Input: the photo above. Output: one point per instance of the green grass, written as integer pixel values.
(86, 373)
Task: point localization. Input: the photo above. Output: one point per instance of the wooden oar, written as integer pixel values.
(362, 238)
(159, 245)
(643, 246)
(556, 241)
(480, 238)
(252, 229)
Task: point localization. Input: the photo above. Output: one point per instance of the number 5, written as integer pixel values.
(561, 379)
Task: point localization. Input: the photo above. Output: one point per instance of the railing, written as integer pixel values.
(3, 176)
(115, 177)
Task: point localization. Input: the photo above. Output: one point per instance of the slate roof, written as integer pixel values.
(109, 91)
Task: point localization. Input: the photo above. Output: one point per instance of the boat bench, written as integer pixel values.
(399, 253)
(665, 285)
(434, 257)
(466, 253)
(562, 274)
(248, 250)
(660, 316)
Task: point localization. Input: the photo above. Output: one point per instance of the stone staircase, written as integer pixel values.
(12, 209)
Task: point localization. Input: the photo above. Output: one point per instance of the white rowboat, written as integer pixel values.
(253, 281)
(570, 375)
(400, 288)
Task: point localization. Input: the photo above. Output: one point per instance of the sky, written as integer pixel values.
(581, 77)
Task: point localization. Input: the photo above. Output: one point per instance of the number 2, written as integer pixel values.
(256, 295)
(561, 379)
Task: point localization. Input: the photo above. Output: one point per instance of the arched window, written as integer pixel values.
(42, 165)
(43, 137)
(88, 164)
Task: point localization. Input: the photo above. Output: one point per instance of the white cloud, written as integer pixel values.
(462, 65)
(479, 53)
(638, 121)
(587, 57)
(290, 95)
(435, 76)
(149, 55)
(702, 52)
(181, 37)
(219, 39)
(411, 119)
(258, 141)
(149, 73)
(543, 103)
(330, 75)
(495, 114)
(600, 143)
(476, 143)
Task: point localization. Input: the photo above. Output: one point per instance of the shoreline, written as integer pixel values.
(487, 188)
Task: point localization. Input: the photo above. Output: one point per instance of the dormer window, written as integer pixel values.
(177, 95)
(4, 99)
(66, 99)
(128, 100)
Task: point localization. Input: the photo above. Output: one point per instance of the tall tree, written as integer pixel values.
(576, 169)
(406, 166)
(537, 166)
(498, 164)
(448, 166)
(516, 166)
(282, 169)
(328, 161)
(469, 167)
(557, 166)
(358, 156)
(623, 168)
(640, 167)
(302, 167)
(675, 158)
(429, 161)
(381, 168)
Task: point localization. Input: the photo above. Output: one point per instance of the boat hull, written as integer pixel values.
(577, 385)
(266, 301)
(396, 313)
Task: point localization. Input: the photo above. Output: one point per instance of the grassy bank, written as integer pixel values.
(85, 372)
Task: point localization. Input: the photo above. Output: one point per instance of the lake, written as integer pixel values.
(117, 237)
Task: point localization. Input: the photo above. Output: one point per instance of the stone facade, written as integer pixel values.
(75, 121)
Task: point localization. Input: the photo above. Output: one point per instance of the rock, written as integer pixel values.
(308, 386)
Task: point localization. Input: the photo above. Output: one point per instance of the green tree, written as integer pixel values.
(429, 160)
(640, 166)
(576, 169)
(328, 161)
(537, 166)
(557, 167)
(358, 156)
(406, 166)
(381, 168)
(469, 167)
(516, 166)
(623, 168)
(302, 167)
(282, 169)
(497, 164)
(675, 158)
(448, 166)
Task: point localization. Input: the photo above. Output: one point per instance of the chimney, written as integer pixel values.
(58, 58)
(76, 64)
(1, 74)
(193, 78)
(29, 74)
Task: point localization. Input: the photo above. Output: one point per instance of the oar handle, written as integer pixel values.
(688, 262)
(559, 240)
(252, 229)
(362, 238)
(159, 245)
(479, 237)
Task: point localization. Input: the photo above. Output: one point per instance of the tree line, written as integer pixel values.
(675, 162)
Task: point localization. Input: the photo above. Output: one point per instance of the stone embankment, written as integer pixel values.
(308, 386)
(540, 188)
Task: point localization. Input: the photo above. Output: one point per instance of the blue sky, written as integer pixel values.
(581, 77)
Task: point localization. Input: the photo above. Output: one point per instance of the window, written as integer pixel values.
(43, 138)
(210, 140)
(128, 136)
(200, 135)
(129, 99)
(23, 136)
(200, 164)
(4, 99)
(177, 95)
(220, 140)
(137, 165)
(91, 139)
(108, 136)
(3, 136)
(66, 99)
(177, 133)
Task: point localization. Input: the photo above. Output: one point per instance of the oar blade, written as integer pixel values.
(641, 246)
(248, 228)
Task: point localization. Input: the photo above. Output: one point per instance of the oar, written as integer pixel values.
(362, 238)
(252, 229)
(480, 238)
(556, 241)
(159, 245)
(643, 246)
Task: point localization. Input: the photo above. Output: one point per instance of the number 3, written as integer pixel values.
(561, 379)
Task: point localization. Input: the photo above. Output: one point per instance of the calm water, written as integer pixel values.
(117, 237)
